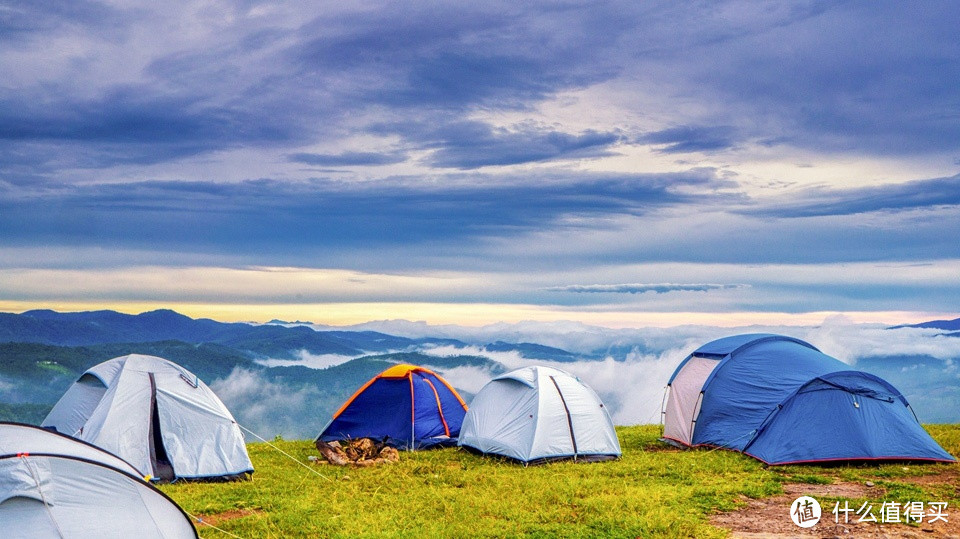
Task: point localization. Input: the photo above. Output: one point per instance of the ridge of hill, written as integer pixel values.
(267, 340)
(99, 327)
(947, 325)
(291, 398)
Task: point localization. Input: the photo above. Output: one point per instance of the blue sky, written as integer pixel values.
(618, 163)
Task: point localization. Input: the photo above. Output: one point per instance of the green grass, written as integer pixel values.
(653, 491)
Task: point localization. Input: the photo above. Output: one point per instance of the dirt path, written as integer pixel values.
(770, 517)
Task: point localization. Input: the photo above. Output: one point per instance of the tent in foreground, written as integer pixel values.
(408, 407)
(52, 485)
(157, 416)
(539, 414)
(782, 401)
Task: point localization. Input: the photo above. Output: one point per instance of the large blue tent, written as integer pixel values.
(781, 400)
(406, 406)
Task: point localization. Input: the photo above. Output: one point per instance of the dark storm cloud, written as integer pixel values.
(347, 158)
(467, 145)
(270, 218)
(848, 76)
(128, 125)
(912, 195)
(455, 57)
(270, 86)
(92, 92)
(692, 139)
(20, 20)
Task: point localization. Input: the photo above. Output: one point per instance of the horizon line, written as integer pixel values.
(477, 314)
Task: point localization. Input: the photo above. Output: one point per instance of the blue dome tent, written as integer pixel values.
(782, 401)
(408, 407)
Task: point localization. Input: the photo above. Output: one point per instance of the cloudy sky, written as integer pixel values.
(621, 163)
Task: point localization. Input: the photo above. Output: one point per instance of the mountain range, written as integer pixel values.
(286, 378)
(43, 351)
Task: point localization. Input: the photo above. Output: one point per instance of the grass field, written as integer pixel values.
(653, 491)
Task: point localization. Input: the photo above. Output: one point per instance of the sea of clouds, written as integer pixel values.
(629, 368)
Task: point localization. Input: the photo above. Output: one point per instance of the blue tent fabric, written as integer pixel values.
(723, 347)
(867, 414)
(365, 417)
(408, 407)
(781, 401)
(744, 387)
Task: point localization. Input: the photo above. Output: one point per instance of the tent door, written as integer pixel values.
(573, 438)
(162, 468)
(446, 428)
(684, 399)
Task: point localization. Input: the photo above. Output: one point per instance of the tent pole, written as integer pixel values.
(663, 409)
(413, 414)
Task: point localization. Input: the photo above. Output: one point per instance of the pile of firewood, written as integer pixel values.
(357, 452)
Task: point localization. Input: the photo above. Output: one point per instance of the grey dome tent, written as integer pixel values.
(52, 485)
(539, 414)
(157, 416)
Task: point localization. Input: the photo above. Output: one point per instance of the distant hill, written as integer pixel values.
(948, 325)
(38, 374)
(99, 327)
(533, 351)
(293, 400)
(42, 352)
(268, 340)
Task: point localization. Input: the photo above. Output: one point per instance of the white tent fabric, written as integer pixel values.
(539, 413)
(684, 399)
(118, 404)
(54, 486)
(18, 438)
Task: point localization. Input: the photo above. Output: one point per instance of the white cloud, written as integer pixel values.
(468, 378)
(306, 359)
(632, 383)
(268, 408)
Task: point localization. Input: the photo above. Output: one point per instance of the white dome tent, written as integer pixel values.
(157, 416)
(52, 485)
(539, 414)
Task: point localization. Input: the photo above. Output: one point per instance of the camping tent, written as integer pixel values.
(52, 485)
(536, 414)
(781, 400)
(156, 415)
(407, 406)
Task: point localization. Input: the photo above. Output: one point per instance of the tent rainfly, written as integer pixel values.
(782, 401)
(156, 415)
(55, 486)
(538, 414)
(406, 406)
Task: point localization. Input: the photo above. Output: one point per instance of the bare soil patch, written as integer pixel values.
(770, 517)
(950, 476)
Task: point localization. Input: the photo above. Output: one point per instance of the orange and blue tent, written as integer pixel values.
(406, 406)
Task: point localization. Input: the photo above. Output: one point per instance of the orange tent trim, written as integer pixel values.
(395, 372)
